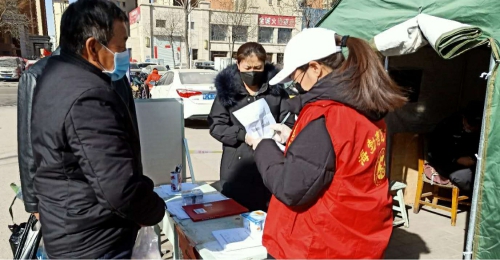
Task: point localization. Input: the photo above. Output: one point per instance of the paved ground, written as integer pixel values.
(430, 236)
(8, 93)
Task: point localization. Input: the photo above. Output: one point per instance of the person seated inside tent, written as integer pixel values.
(453, 146)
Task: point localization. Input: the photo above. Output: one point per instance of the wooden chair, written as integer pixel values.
(422, 180)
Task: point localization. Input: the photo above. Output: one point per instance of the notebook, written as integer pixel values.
(211, 210)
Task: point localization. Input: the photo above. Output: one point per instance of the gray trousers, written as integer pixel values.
(463, 179)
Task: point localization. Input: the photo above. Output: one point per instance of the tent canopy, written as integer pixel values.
(367, 18)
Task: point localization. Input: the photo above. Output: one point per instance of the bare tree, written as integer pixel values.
(12, 21)
(172, 28)
(236, 20)
(187, 6)
(311, 11)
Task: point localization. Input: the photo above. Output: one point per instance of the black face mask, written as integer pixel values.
(252, 78)
(299, 87)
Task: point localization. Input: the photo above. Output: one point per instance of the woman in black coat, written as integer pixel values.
(237, 86)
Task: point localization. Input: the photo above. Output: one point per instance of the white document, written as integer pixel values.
(175, 206)
(236, 238)
(165, 191)
(256, 118)
(213, 250)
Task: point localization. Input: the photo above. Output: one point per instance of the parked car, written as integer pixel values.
(194, 86)
(143, 66)
(207, 65)
(161, 69)
(10, 68)
(134, 68)
(29, 63)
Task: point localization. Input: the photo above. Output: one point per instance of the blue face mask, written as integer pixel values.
(122, 64)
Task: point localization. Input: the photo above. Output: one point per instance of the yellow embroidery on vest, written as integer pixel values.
(379, 174)
(363, 157)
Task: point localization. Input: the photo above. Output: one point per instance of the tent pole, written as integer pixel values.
(477, 182)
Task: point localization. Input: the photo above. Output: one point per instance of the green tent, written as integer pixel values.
(369, 19)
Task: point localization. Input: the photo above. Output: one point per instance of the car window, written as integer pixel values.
(134, 66)
(197, 77)
(160, 68)
(169, 78)
(8, 63)
(163, 80)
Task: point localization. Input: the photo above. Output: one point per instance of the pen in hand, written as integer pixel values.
(283, 122)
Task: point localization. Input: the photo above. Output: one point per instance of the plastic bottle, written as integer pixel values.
(40, 253)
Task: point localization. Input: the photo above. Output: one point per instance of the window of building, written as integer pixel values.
(240, 33)
(280, 58)
(266, 34)
(269, 57)
(218, 32)
(270, 2)
(284, 35)
(195, 54)
(214, 54)
(194, 3)
(161, 23)
(279, 2)
(192, 25)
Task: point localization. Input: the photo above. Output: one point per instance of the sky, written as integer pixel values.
(50, 16)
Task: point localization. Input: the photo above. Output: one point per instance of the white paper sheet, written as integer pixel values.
(256, 118)
(236, 238)
(175, 206)
(213, 250)
(165, 191)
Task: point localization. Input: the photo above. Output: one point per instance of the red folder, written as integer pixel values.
(211, 210)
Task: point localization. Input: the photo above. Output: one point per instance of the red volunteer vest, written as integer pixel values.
(353, 217)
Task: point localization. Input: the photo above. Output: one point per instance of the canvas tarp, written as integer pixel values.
(448, 38)
(367, 18)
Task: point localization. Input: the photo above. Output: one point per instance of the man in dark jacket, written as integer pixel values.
(26, 88)
(92, 194)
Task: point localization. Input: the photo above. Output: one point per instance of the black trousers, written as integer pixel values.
(270, 256)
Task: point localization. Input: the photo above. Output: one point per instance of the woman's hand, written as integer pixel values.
(253, 142)
(282, 133)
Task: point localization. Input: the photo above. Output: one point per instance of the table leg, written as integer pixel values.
(176, 244)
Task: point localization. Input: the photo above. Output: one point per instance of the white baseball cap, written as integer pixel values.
(308, 45)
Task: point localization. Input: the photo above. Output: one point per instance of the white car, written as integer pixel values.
(194, 86)
(10, 68)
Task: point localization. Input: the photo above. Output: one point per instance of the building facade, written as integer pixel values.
(217, 28)
(32, 35)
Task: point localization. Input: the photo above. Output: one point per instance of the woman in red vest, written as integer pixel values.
(330, 193)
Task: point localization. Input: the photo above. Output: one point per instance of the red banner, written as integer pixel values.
(135, 15)
(276, 21)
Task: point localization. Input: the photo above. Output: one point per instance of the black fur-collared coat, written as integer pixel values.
(240, 179)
